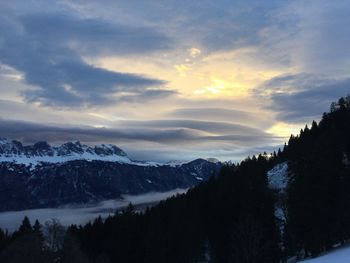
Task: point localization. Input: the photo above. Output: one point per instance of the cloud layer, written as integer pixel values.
(48, 50)
(169, 131)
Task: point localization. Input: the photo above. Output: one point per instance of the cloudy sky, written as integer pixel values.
(171, 79)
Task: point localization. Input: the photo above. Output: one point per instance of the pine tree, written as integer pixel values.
(26, 227)
(37, 231)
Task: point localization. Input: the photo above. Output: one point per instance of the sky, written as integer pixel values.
(171, 80)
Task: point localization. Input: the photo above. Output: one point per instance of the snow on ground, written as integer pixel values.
(278, 180)
(278, 176)
(340, 255)
(82, 214)
(35, 160)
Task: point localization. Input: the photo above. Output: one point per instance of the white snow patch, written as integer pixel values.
(68, 215)
(37, 160)
(346, 160)
(279, 213)
(278, 180)
(278, 176)
(340, 255)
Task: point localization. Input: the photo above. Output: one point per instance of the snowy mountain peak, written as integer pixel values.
(3, 140)
(42, 152)
(108, 149)
(42, 148)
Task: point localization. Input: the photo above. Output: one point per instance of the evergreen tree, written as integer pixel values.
(26, 227)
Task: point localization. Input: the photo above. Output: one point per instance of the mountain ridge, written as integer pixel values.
(42, 152)
(41, 176)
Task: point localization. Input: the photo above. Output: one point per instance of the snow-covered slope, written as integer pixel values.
(340, 255)
(278, 177)
(42, 152)
(278, 180)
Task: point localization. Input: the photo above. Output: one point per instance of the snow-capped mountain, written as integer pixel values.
(41, 175)
(42, 152)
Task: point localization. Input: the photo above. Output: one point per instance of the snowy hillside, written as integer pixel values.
(278, 180)
(340, 255)
(278, 177)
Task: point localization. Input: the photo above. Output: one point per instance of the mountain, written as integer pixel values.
(41, 175)
(42, 152)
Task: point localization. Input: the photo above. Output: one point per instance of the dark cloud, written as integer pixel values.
(47, 49)
(225, 25)
(32, 132)
(92, 36)
(302, 97)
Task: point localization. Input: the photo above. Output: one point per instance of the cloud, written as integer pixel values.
(215, 26)
(214, 127)
(222, 114)
(194, 52)
(301, 97)
(308, 36)
(169, 132)
(93, 36)
(31, 132)
(48, 48)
